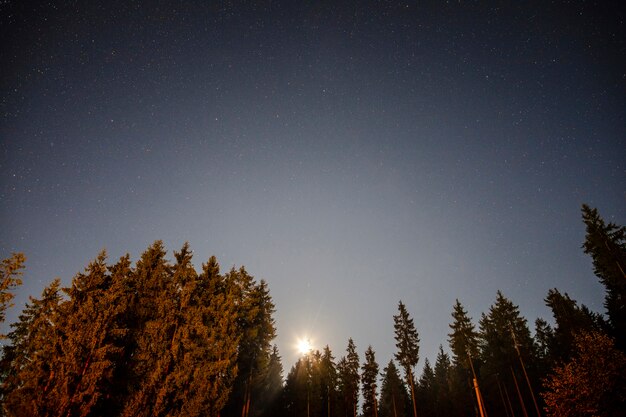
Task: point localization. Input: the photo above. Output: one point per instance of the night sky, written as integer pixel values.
(351, 155)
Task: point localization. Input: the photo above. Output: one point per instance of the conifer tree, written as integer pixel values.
(348, 370)
(606, 243)
(272, 385)
(328, 381)
(407, 343)
(257, 330)
(27, 363)
(369, 379)
(426, 389)
(463, 341)
(503, 332)
(569, 319)
(10, 279)
(394, 400)
(154, 307)
(442, 389)
(88, 354)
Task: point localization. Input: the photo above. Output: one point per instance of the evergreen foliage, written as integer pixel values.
(407, 343)
(394, 399)
(10, 279)
(348, 371)
(606, 243)
(160, 339)
(369, 379)
(504, 333)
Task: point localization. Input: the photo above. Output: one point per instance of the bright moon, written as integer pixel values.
(304, 346)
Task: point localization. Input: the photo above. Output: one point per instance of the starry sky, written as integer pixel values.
(352, 154)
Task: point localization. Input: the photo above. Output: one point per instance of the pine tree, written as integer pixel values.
(10, 279)
(394, 400)
(369, 378)
(27, 362)
(606, 243)
(407, 343)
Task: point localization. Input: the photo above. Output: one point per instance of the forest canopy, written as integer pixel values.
(159, 338)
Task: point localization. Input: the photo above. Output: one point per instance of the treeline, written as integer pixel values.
(160, 339)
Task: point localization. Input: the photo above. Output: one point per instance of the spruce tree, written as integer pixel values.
(569, 319)
(27, 364)
(369, 379)
(407, 343)
(328, 380)
(504, 332)
(348, 372)
(10, 279)
(394, 400)
(154, 308)
(425, 390)
(463, 341)
(606, 243)
(272, 385)
(443, 375)
(88, 354)
(257, 329)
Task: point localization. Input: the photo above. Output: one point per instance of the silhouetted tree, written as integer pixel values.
(394, 400)
(407, 343)
(463, 341)
(348, 370)
(501, 329)
(369, 379)
(606, 243)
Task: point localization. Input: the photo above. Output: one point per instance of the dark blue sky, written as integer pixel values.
(351, 155)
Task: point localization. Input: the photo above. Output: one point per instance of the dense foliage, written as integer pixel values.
(159, 338)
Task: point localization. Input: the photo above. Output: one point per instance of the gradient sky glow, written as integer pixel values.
(351, 155)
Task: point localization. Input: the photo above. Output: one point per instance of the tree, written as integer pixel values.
(504, 333)
(442, 392)
(407, 343)
(394, 399)
(369, 378)
(592, 383)
(257, 329)
(27, 361)
(463, 341)
(10, 279)
(348, 370)
(88, 354)
(328, 380)
(569, 319)
(426, 389)
(272, 385)
(606, 243)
